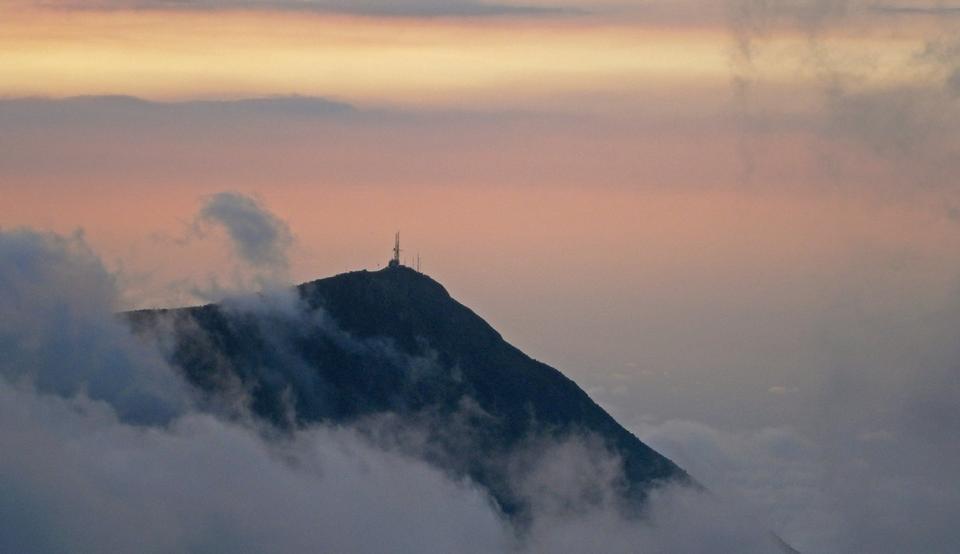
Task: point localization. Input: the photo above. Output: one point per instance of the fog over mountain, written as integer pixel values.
(107, 448)
(371, 412)
(391, 346)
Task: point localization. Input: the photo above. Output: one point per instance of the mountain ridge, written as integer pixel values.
(395, 342)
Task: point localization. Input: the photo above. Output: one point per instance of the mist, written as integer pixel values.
(82, 473)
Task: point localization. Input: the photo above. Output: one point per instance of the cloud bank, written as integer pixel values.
(848, 488)
(83, 471)
(76, 479)
(58, 335)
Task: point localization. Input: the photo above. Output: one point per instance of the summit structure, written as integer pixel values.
(395, 260)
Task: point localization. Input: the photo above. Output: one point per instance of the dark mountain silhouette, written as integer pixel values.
(392, 346)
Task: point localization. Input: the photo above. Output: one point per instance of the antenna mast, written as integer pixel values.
(395, 261)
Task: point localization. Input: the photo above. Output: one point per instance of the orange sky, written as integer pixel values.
(501, 62)
(527, 158)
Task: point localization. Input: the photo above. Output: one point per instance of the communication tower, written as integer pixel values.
(395, 261)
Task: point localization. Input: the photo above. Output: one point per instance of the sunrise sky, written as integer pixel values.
(708, 211)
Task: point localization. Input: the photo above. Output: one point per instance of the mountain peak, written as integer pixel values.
(400, 303)
(395, 279)
(394, 342)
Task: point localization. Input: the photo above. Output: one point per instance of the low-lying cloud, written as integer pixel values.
(58, 334)
(76, 479)
(839, 490)
(81, 472)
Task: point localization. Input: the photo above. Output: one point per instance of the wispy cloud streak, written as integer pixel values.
(371, 8)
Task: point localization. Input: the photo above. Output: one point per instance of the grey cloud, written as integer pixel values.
(921, 9)
(260, 238)
(851, 487)
(573, 487)
(903, 122)
(57, 332)
(858, 457)
(943, 55)
(861, 463)
(953, 82)
(77, 476)
(913, 124)
(678, 520)
(204, 485)
(750, 23)
(753, 20)
(77, 109)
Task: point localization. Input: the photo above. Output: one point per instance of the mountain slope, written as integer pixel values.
(393, 347)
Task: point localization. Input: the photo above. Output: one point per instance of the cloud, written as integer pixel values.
(833, 491)
(57, 332)
(924, 9)
(78, 475)
(903, 122)
(862, 467)
(573, 487)
(372, 8)
(258, 237)
(953, 82)
(85, 471)
(751, 23)
(95, 106)
(911, 120)
(678, 520)
(204, 485)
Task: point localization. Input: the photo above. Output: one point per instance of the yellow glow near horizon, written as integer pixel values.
(186, 55)
(182, 54)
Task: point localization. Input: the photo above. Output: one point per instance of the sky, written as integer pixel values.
(734, 223)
